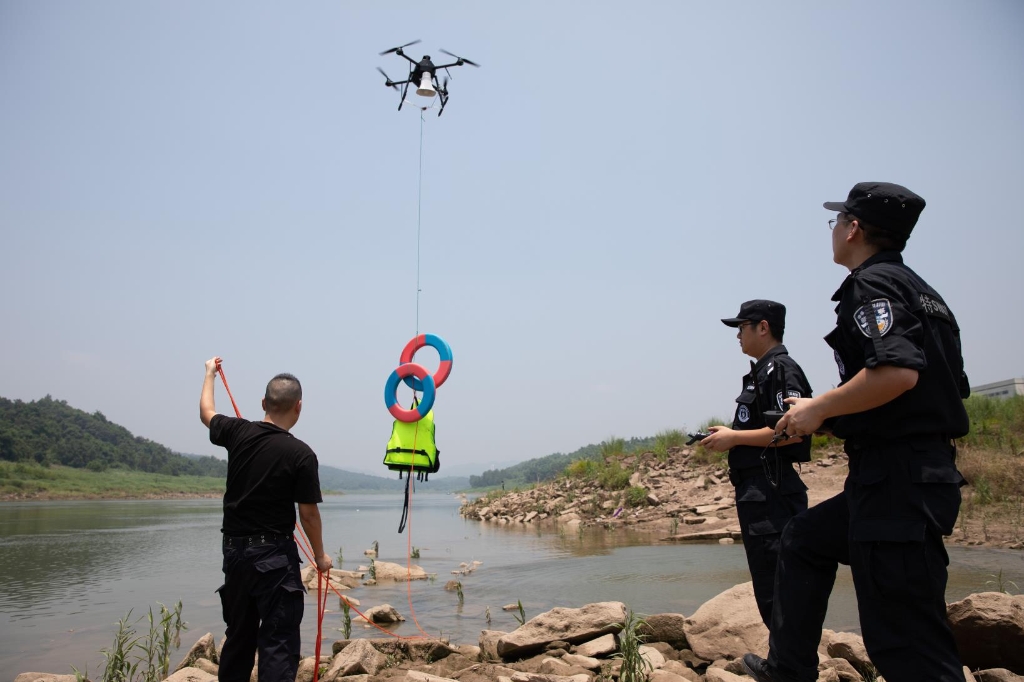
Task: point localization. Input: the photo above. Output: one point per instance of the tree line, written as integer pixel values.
(541, 469)
(49, 431)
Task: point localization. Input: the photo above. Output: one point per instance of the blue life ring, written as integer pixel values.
(409, 369)
(444, 351)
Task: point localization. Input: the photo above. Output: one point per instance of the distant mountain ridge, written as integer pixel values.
(49, 431)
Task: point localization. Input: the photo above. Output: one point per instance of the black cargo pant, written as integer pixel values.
(262, 600)
(887, 524)
(764, 511)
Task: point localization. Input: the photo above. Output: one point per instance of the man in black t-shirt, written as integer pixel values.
(898, 406)
(769, 491)
(269, 471)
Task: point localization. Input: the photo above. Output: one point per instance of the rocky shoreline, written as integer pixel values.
(604, 641)
(685, 500)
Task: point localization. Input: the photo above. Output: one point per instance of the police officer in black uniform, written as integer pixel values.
(898, 406)
(269, 470)
(769, 491)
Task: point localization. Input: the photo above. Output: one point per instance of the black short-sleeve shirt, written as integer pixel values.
(269, 470)
(778, 377)
(886, 314)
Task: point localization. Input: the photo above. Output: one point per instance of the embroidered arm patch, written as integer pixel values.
(879, 313)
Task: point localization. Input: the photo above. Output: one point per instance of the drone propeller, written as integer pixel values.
(462, 60)
(396, 49)
(387, 78)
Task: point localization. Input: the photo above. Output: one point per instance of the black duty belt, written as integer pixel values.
(255, 540)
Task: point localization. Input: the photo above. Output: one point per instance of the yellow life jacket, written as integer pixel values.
(412, 447)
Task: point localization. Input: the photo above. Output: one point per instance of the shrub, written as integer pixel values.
(636, 496)
(613, 477)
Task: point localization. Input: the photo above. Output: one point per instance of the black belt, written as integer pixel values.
(255, 540)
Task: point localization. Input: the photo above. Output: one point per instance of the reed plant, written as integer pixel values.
(143, 658)
(634, 666)
(346, 618)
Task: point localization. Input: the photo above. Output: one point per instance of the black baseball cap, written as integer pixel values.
(760, 309)
(887, 206)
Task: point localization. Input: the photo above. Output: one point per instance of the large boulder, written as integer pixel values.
(843, 668)
(204, 647)
(44, 677)
(989, 630)
(570, 625)
(191, 675)
(489, 644)
(358, 657)
(382, 613)
(850, 646)
(997, 675)
(385, 570)
(665, 627)
(728, 626)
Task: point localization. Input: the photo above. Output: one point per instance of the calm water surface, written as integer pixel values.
(70, 570)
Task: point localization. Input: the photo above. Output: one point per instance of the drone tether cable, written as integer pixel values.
(419, 213)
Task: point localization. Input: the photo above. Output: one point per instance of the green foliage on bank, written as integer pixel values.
(51, 432)
(543, 469)
(32, 480)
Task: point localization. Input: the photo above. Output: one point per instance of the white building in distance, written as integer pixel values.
(1000, 389)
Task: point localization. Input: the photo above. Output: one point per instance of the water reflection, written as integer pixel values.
(70, 570)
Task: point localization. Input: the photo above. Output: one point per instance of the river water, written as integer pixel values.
(69, 571)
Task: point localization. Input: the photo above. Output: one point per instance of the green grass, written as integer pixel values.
(24, 480)
(613, 447)
(666, 440)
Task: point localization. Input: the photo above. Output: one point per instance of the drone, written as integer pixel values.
(423, 74)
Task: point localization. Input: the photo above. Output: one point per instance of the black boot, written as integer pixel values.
(758, 669)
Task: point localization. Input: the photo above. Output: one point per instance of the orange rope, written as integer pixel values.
(307, 550)
(408, 550)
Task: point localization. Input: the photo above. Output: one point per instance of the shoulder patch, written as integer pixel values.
(878, 312)
(781, 399)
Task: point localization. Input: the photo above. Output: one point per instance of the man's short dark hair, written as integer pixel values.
(283, 392)
(883, 240)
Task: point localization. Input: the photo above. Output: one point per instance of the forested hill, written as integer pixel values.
(50, 431)
(542, 469)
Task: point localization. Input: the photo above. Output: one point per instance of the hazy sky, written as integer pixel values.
(185, 179)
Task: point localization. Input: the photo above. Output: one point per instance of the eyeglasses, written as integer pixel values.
(741, 325)
(835, 221)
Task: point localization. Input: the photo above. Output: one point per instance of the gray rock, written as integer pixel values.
(851, 647)
(358, 657)
(190, 675)
(571, 625)
(44, 677)
(844, 669)
(579, 661)
(666, 627)
(989, 630)
(203, 648)
(997, 675)
(489, 644)
(728, 626)
(602, 646)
